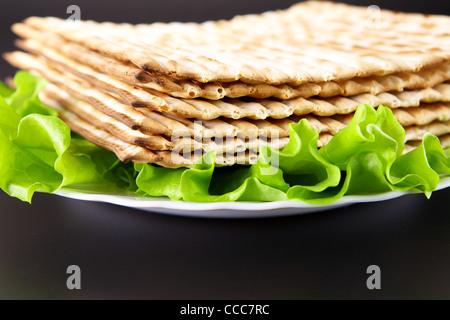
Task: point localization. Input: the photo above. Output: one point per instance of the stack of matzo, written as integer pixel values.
(167, 93)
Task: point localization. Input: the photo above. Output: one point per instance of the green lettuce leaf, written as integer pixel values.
(37, 151)
(420, 168)
(308, 173)
(206, 183)
(196, 184)
(365, 150)
(5, 91)
(157, 181)
(24, 100)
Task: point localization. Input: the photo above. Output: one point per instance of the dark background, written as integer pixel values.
(126, 253)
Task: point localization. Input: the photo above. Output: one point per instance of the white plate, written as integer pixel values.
(229, 209)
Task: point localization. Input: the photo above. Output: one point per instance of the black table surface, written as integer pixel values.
(127, 253)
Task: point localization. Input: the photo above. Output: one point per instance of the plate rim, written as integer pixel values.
(158, 203)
